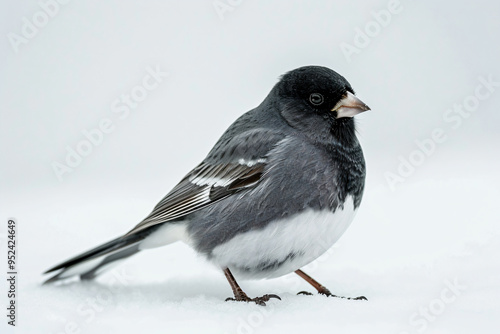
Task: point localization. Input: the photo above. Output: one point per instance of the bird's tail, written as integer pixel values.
(93, 262)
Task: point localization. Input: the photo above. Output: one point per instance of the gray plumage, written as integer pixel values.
(285, 157)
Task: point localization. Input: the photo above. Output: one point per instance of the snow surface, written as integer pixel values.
(425, 254)
(401, 259)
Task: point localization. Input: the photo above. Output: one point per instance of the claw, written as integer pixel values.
(258, 300)
(349, 298)
(359, 298)
(324, 291)
(271, 296)
(304, 293)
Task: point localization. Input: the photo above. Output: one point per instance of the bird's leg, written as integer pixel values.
(321, 289)
(237, 291)
(241, 296)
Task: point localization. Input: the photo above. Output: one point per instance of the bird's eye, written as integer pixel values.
(316, 99)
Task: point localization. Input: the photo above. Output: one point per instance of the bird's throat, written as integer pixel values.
(343, 131)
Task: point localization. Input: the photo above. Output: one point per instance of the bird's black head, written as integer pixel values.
(320, 102)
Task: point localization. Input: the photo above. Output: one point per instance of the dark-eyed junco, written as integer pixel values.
(280, 187)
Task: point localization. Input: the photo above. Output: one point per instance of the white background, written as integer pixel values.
(439, 224)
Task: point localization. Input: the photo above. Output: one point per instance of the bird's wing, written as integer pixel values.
(232, 166)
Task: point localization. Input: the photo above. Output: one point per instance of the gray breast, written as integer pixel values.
(298, 176)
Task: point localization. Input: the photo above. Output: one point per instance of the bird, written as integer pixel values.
(278, 189)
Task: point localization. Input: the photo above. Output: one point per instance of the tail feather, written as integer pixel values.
(91, 263)
(110, 261)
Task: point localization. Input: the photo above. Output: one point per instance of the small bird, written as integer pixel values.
(278, 189)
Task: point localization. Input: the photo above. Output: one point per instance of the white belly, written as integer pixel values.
(284, 245)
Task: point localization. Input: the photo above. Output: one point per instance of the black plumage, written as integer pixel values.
(295, 155)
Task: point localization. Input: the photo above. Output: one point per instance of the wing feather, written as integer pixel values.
(213, 179)
(205, 185)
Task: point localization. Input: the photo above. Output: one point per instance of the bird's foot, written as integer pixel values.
(242, 297)
(327, 293)
(324, 291)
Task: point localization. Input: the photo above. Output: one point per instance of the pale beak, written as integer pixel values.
(349, 106)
